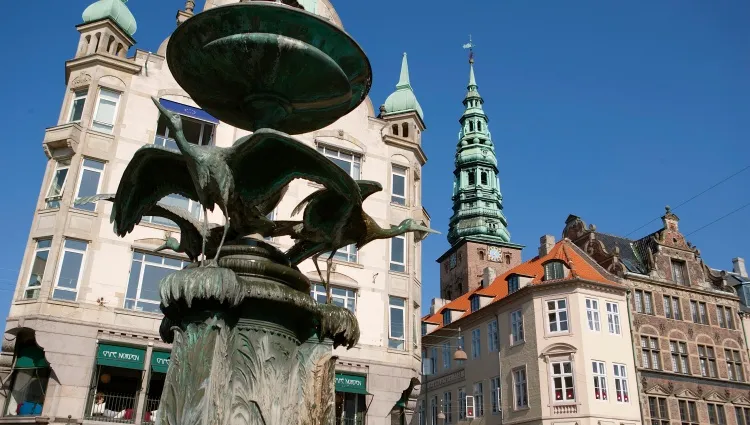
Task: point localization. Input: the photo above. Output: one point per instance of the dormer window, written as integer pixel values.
(554, 270)
(446, 317)
(475, 303)
(513, 284)
(424, 329)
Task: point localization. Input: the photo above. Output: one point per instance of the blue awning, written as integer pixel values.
(188, 111)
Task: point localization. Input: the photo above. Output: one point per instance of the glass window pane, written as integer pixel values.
(152, 275)
(397, 323)
(105, 114)
(192, 130)
(399, 184)
(70, 270)
(90, 163)
(397, 250)
(76, 111)
(147, 307)
(74, 244)
(37, 268)
(60, 294)
(397, 301)
(135, 277)
(88, 186)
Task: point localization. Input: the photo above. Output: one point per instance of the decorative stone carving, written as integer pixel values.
(670, 387)
(699, 390)
(690, 332)
(83, 79)
(636, 324)
(662, 328)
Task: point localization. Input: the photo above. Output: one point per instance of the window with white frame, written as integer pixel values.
(474, 303)
(621, 383)
(734, 365)
(493, 341)
(562, 381)
(192, 207)
(422, 419)
(592, 314)
(461, 404)
(76, 106)
(495, 394)
(516, 327)
(351, 163)
(396, 308)
(707, 359)
(69, 270)
(398, 185)
(106, 110)
(520, 389)
(644, 302)
(557, 316)
(554, 270)
(57, 184)
(341, 297)
(146, 271)
(476, 343)
(347, 253)
(398, 254)
(446, 355)
(89, 183)
(447, 406)
(197, 132)
(613, 317)
(478, 399)
(38, 266)
(689, 413)
(600, 380)
(679, 354)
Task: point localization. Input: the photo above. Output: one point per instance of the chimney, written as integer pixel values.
(437, 304)
(546, 243)
(488, 276)
(738, 266)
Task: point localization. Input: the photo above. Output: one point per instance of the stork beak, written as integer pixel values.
(421, 232)
(161, 108)
(161, 248)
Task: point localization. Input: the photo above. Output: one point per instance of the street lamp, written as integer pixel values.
(460, 354)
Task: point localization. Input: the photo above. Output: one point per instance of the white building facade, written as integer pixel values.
(82, 344)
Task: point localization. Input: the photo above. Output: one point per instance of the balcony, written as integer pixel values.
(115, 408)
(565, 409)
(62, 140)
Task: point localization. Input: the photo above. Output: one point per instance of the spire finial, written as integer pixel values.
(470, 45)
(403, 81)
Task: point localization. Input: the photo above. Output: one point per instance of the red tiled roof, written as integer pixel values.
(563, 251)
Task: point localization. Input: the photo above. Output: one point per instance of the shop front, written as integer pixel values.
(28, 382)
(351, 399)
(116, 383)
(159, 367)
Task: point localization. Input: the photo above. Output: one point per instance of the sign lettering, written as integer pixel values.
(445, 380)
(121, 356)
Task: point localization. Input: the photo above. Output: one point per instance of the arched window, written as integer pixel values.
(110, 48)
(85, 46)
(405, 128)
(479, 125)
(481, 255)
(98, 38)
(554, 270)
(471, 125)
(472, 179)
(394, 129)
(484, 177)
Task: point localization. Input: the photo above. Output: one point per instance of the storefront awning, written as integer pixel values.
(120, 356)
(346, 383)
(31, 357)
(188, 111)
(160, 361)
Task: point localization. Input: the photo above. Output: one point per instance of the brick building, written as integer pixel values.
(688, 338)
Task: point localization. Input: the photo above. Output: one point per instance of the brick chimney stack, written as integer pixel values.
(738, 266)
(545, 244)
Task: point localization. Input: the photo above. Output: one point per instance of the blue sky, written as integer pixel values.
(607, 110)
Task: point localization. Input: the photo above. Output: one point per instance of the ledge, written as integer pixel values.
(407, 145)
(65, 138)
(109, 61)
(25, 420)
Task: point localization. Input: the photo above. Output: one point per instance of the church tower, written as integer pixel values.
(478, 234)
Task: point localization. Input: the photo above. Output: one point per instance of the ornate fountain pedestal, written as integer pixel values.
(246, 346)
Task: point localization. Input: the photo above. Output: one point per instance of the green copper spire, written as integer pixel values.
(477, 201)
(403, 99)
(113, 9)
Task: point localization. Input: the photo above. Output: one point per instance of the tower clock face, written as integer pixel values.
(494, 253)
(453, 260)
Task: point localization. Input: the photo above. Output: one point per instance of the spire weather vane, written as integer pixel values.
(470, 45)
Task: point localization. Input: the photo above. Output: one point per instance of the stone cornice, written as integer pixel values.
(650, 280)
(120, 64)
(106, 22)
(407, 145)
(475, 239)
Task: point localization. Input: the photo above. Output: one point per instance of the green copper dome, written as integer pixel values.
(113, 9)
(403, 99)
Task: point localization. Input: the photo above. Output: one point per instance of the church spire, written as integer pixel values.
(477, 201)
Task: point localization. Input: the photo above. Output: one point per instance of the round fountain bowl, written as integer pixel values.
(267, 65)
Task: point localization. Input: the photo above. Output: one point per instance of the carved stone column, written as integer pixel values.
(246, 347)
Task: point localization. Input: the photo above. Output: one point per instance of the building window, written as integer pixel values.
(557, 315)
(446, 355)
(446, 317)
(495, 394)
(197, 132)
(483, 178)
(394, 129)
(657, 407)
(432, 364)
(554, 270)
(520, 389)
(398, 185)
(341, 297)
(492, 336)
(688, 412)
(347, 254)
(396, 338)
(475, 304)
(146, 271)
(476, 343)
(562, 381)
(679, 357)
(516, 327)
(672, 308)
(422, 419)
(38, 266)
(70, 269)
(434, 411)
(76, 106)
(742, 415)
(461, 404)
(613, 318)
(106, 110)
(650, 353)
(57, 184)
(600, 380)
(398, 254)
(405, 128)
(724, 314)
(447, 406)
(513, 284)
(28, 382)
(472, 179)
(644, 302)
(716, 414)
(424, 329)
(679, 272)
(707, 361)
(178, 201)
(698, 312)
(592, 314)
(348, 162)
(734, 365)
(621, 383)
(478, 400)
(89, 182)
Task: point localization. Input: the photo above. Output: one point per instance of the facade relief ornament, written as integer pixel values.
(699, 390)
(741, 341)
(83, 79)
(727, 393)
(690, 333)
(637, 324)
(670, 387)
(644, 382)
(717, 337)
(662, 328)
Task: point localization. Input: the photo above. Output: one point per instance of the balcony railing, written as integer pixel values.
(149, 413)
(350, 421)
(113, 408)
(565, 409)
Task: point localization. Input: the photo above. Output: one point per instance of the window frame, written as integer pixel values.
(553, 268)
(592, 314)
(557, 311)
(514, 283)
(600, 380)
(516, 327)
(522, 384)
(447, 411)
(391, 338)
(678, 353)
(688, 412)
(613, 317)
(60, 165)
(474, 303)
(141, 273)
(699, 312)
(75, 96)
(446, 355)
(37, 250)
(725, 317)
(61, 260)
(79, 181)
(394, 263)
(461, 403)
(707, 361)
(476, 343)
(493, 337)
(478, 399)
(356, 157)
(720, 416)
(742, 415)
(684, 279)
(400, 171)
(662, 408)
(651, 353)
(646, 301)
(114, 114)
(562, 376)
(734, 365)
(672, 307)
(620, 374)
(315, 291)
(495, 391)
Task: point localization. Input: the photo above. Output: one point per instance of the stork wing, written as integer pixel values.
(303, 250)
(306, 201)
(267, 206)
(368, 187)
(153, 173)
(268, 160)
(96, 198)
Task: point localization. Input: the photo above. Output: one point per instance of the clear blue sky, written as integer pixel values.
(608, 110)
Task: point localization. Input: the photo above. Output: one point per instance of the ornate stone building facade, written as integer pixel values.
(81, 342)
(688, 334)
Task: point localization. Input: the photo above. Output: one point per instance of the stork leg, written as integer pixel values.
(223, 237)
(320, 274)
(204, 235)
(329, 263)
